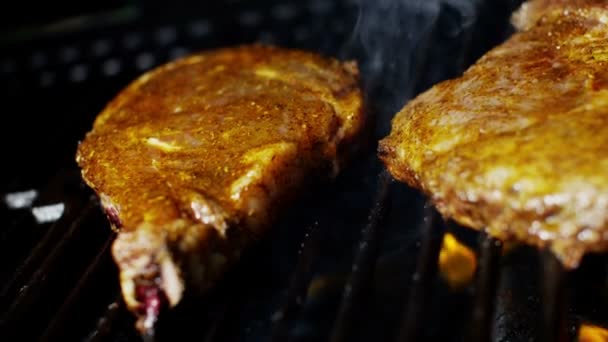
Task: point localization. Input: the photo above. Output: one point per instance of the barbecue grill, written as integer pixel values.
(353, 261)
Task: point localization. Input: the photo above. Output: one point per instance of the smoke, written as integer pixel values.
(405, 46)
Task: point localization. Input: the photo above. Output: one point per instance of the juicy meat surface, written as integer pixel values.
(530, 11)
(193, 160)
(518, 146)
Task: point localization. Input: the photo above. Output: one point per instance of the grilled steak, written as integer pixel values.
(194, 159)
(529, 12)
(518, 146)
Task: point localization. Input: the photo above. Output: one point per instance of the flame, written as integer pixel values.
(592, 333)
(457, 262)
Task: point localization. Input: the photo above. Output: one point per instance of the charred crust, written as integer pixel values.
(385, 150)
(344, 91)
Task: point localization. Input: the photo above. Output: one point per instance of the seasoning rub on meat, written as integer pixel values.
(193, 160)
(518, 146)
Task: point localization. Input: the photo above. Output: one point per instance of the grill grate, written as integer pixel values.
(297, 287)
(554, 300)
(328, 271)
(363, 266)
(487, 282)
(416, 312)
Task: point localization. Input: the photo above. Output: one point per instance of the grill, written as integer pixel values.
(354, 261)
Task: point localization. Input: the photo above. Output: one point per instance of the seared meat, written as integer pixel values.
(529, 12)
(193, 160)
(518, 146)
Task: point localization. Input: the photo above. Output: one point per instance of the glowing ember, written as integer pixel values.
(592, 333)
(457, 262)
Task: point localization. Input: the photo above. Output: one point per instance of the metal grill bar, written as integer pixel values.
(364, 265)
(415, 312)
(58, 322)
(106, 321)
(487, 284)
(298, 284)
(553, 324)
(32, 288)
(27, 231)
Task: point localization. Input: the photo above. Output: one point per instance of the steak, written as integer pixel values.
(518, 146)
(194, 160)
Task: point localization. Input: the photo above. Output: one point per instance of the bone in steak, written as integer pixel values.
(194, 159)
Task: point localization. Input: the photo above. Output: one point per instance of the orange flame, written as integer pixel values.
(592, 333)
(457, 262)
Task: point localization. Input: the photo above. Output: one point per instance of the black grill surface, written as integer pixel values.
(353, 261)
